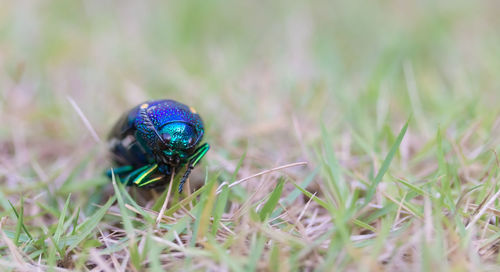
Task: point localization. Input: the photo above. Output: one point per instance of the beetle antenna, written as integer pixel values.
(184, 178)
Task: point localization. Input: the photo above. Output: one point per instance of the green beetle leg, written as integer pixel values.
(198, 154)
(193, 161)
(130, 177)
(119, 171)
(144, 175)
(151, 181)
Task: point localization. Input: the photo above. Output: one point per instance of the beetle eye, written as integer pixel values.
(190, 141)
(167, 138)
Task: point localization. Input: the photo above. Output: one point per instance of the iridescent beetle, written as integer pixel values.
(154, 140)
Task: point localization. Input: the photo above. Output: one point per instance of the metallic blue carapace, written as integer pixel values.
(155, 140)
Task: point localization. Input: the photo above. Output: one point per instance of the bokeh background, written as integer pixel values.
(249, 67)
(264, 75)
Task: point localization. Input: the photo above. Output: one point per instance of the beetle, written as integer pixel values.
(155, 140)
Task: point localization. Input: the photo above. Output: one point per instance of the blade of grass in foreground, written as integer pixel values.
(204, 220)
(87, 227)
(184, 201)
(60, 224)
(325, 205)
(6, 205)
(221, 202)
(174, 196)
(136, 206)
(414, 188)
(127, 223)
(385, 165)
(202, 212)
(224, 256)
(256, 249)
(179, 227)
(292, 196)
(20, 223)
(316, 199)
(154, 253)
(271, 203)
(335, 182)
(238, 166)
(220, 206)
(274, 258)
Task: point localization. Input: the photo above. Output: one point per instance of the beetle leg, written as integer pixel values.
(132, 174)
(151, 181)
(198, 154)
(119, 171)
(193, 161)
(164, 169)
(145, 174)
(130, 178)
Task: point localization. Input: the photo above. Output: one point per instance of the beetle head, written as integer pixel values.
(179, 136)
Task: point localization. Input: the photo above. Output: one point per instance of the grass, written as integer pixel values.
(344, 136)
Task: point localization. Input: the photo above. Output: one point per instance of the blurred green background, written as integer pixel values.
(247, 66)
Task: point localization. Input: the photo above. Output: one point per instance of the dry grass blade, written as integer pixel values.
(86, 121)
(102, 265)
(483, 209)
(219, 189)
(14, 252)
(167, 198)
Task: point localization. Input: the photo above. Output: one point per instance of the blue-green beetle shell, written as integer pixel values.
(164, 132)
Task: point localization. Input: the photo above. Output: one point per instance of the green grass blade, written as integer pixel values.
(20, 221)
(60, 223)
(147, 216)
(75, 221)
(385, 165)
(160, 200)
(174, 197)
(204, 219)
(219, 208)
(238, 166)
(256, 249)
(274, 258)
(135, 257)
(414, 188)
(271, 203)
(292, 196)
(316, 199)
(154, 253)
(6, 205)
(335, 181)
(87, 227)
(127, 223)
(440, 154)
(203, 210)
(184, 201)
(19, 224)
(225, 257)
(178, 228)
(364, 225)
